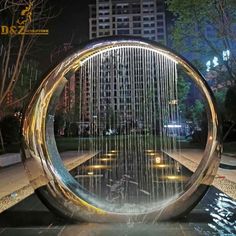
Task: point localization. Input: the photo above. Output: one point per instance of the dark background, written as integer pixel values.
(70, 24)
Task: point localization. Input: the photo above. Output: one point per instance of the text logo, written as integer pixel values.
(22, 24)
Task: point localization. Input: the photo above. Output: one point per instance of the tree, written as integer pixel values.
(183, 88)
(10, 126)
(230, 106)
(197, 111)
(220, 100)
(28, 77)
(197, 114)
(192, 20)
(14, 48)
(59, 123)
(190, 34)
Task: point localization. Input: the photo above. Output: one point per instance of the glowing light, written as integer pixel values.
(152, 154)
(106, 159)
(89, 175)
(160, 166)
(172, 126)
(109, 154)
(149, 150)
(175, 177)
(172, 177)
(96, 167)
(145, 46)
(226, 55)
(177, 167)
(215, 61)
(208, 64)
(173, 102)
(158, 160)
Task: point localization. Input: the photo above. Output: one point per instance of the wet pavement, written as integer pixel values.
(214, 215)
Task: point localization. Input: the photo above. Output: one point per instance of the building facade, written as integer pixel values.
(116, 90)
(66, 103)
(144, 18)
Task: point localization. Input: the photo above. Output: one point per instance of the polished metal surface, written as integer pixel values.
(58, 189)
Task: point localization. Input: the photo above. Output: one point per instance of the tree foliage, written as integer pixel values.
(15, 48)
(28, 78)
(206, 28)
(196, 112)
(183, 88)
(220, 100)
(10, 127)
(192, 18)
(230, 104)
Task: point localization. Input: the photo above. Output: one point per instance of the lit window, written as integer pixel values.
(226, 55)
(215, 61)
(208, 64)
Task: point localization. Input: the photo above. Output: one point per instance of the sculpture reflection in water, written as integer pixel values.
(129, 123)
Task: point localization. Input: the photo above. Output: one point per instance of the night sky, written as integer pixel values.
(71, 25)
(71, 22)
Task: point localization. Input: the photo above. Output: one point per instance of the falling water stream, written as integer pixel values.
(129, 118)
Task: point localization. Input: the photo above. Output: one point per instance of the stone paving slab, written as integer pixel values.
(14, 183)
(225, 179)
(9, 159)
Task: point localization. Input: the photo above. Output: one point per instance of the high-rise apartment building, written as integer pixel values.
(145, 18)
(119, 94)
(67, 99)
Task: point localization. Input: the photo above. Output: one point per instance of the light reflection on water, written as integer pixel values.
(133, 181)
(214, 215)
(221, 210)
(223, 214)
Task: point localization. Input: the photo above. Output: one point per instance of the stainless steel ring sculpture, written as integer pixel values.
(58, 189)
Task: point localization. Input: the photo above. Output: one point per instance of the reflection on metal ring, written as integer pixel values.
(47, 174)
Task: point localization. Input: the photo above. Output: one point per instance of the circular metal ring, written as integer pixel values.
(47, 174)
